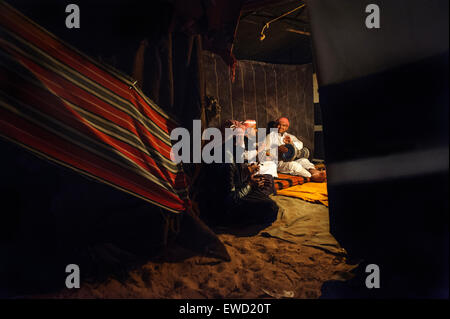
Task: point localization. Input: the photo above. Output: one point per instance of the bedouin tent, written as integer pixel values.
(68, 109)
(62, 105)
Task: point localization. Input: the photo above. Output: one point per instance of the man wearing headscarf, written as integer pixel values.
(249, 142)
(300, 166)
(236, 192)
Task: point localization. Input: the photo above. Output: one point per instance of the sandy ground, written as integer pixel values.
(260, 267)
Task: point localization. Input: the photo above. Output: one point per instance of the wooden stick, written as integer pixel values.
(170, 70)
(299, 31)
(201, 79)
(191, 44)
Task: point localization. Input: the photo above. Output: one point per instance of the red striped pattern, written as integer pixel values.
(72, 110)
(285, 181)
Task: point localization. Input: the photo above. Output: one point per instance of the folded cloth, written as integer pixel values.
(284, 181)
(311, 192)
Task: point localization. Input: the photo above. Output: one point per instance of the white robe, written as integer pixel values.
(298, 167)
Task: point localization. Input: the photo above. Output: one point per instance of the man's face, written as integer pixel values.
(251, 130)
(282, 126)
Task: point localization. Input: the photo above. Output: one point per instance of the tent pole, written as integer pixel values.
(201, 79)
(170, 70)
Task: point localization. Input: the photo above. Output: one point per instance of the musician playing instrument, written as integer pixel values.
(296, 163)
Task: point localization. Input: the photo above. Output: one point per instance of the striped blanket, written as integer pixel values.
(65, 107)
(284, 181)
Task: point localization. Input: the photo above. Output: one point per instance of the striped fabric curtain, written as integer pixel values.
(65, 107)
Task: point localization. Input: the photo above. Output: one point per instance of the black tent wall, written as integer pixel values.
(263, 92)
(384, 100)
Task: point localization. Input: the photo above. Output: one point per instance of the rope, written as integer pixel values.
(266, 26)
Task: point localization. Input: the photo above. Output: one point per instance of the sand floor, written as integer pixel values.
(260, 267)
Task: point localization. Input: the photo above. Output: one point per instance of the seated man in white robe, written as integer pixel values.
(301, 166)
(251, 151)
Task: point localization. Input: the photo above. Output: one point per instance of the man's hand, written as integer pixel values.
(282, 149)
(257, 181)
(267, 181)
(253, 168)
(287, 139)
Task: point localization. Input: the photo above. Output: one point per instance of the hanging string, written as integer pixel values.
(266, 26)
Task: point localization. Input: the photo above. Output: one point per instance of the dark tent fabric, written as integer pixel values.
(263, 92)
(384, 102)
(65, 107)
(86, 175)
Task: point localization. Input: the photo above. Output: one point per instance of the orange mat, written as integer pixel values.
(311, 192)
